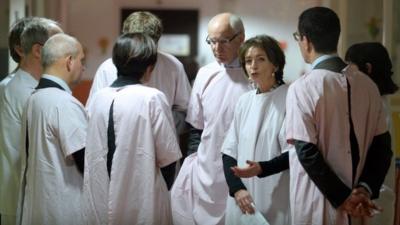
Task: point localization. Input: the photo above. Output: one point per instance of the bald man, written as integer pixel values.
(200, 191)
(13, 97)
(56, 136)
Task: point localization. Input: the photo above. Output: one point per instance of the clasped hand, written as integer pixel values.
(359, 204)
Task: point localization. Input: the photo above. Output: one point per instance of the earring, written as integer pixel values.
(273, 74)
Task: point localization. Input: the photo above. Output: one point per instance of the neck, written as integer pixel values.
(32, 67)
(54, 72)
(267, 86)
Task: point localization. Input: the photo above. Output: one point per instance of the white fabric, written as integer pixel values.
(317, 112)
(200, 191)
(257, 134)
(57, 124)
(5, 81)
(168, 76)
(145, 141)
(12, 101)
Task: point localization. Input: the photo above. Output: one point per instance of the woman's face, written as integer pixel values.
(258, 67)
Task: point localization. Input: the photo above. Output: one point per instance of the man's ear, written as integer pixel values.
(69, 63)
(369, 68)
(36, 50)
(19, 50)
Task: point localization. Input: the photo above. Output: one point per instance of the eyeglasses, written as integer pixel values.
(296, 36)
(223, 41)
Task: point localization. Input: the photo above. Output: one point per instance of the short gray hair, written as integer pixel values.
(236, 23)
(57, 47)
(37, 32)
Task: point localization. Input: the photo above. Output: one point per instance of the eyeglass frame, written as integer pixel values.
(296, 36)
(223, 41)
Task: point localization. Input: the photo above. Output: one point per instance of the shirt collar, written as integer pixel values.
(322, 58)
(59, 81)
(234, 64)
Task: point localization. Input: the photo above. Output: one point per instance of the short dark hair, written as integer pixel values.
(272, 50)
(14, 38)
(375, 54)
(133, 53)
(321, 26)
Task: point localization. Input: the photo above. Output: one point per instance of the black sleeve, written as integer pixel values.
(234, 183)
(194, 139)
(168, 173)
(275, 165)
(79, 158)
(377, 163)
(330, 185)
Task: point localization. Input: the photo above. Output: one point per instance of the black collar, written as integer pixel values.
(123, 81)
(334, 64)
(46, 83)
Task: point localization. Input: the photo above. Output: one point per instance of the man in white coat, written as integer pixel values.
(55, 123)
(168, 75)
(13, 97)
(130, 137)
(200, 190)
(336, 121)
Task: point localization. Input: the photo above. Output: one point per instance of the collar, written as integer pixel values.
(321, 59)
(234, 64)
(59, 81)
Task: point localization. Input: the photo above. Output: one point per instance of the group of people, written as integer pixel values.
(320, 146)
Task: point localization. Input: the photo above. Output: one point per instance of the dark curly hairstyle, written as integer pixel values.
(377, 56)
(272, 50)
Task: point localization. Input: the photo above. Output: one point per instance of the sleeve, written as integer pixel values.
(377, 163)
(300, 123)
(105, 75)
(193, 140)
(275, 165)
(321, 174)
(72, 123)
(166, 144)
(234, 183)
(195, 109)
(182, 91)
(231, 141)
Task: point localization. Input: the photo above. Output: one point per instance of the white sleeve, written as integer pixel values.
(231, 141)
(166, 144)
(71, 127)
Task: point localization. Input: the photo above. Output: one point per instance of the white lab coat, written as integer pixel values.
(200, 191)
(13, 97)
(314, 116)
(56, 124)
(145, 141)
(257, 134)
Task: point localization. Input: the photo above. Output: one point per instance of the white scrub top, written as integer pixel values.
(56, 124)
(200, 191)
(257, 133)
(317, 112)
(145, 141)
(13, 98)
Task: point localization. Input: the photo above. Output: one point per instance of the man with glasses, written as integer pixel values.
(200, 191)
(12, 100)
(337, 124)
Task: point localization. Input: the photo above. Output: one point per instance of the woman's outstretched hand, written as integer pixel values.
(252, 170)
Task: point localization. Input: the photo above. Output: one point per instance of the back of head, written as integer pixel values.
(58, 47)
(133, 53)
(37, 32)
(143, 22)
(375, 54)
(272, 50)
(321, 26)
(14, 37)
